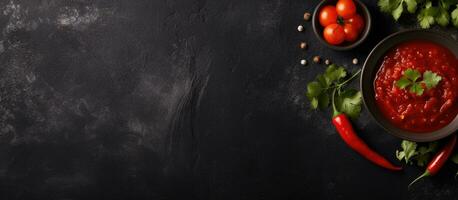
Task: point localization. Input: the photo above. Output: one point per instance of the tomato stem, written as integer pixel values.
(340, 20)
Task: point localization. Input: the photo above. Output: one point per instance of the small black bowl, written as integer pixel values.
(372, 65)
(361, 9)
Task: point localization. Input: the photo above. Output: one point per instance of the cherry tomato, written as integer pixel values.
(328, 15)
(351, 32)
(357, 21)
(334, 34)
(346, 8)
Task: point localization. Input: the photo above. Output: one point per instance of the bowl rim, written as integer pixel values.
(365, 33)
(391, 129)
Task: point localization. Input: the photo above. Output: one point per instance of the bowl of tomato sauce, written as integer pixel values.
(409, 84)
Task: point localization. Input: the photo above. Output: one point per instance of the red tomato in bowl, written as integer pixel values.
(357, 21)
(351, 33)
(334, 34)
(346, 8)
(328, 15)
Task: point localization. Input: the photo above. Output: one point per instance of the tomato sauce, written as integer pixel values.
(437, 106)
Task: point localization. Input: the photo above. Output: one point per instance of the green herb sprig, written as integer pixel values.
(412, 152)
(411, 77)
(430, 12)
(333, 79)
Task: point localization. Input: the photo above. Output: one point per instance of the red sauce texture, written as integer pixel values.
(437, 106)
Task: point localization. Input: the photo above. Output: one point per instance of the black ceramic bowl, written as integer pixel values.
(372, 65)
(361, 9)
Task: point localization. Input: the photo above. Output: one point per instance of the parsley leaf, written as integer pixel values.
(349, 102)
(431, 79)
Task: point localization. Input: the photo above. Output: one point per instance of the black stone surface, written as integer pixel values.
(180, 99)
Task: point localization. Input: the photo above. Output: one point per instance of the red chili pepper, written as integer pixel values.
(346, 132)
(438, 160)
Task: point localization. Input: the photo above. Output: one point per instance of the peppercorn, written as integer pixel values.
(316, 59)
(307, 16)
(300, 28)
(327, 62)
(355, 61)
(303, 62)
(303, 45)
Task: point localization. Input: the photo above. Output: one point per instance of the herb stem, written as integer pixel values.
(349, 79)
(333, 101)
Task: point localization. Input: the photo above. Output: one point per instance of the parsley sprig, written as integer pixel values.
(328, 88)
(430, 12)
(410, 80)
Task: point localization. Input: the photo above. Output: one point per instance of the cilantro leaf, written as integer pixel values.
(428, 12)
(334, 73)
(398, 11)
(424, 153)
(447, 3)
(408, 151)
(412, 74)
(417, 89)
(426, 15)
(442, 17)
(422, 159)
(323, 101)
(314, 103)
(431, 79)
(320, 79)
(387, 5)
(314, 89)
(349, 102)
(400, 155)
(403, 82)
(412, 151)
(411, 5)
(454, 16)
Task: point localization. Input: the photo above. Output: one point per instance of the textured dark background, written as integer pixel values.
(179, 99)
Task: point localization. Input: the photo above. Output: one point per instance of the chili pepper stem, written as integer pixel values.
(425, 174)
